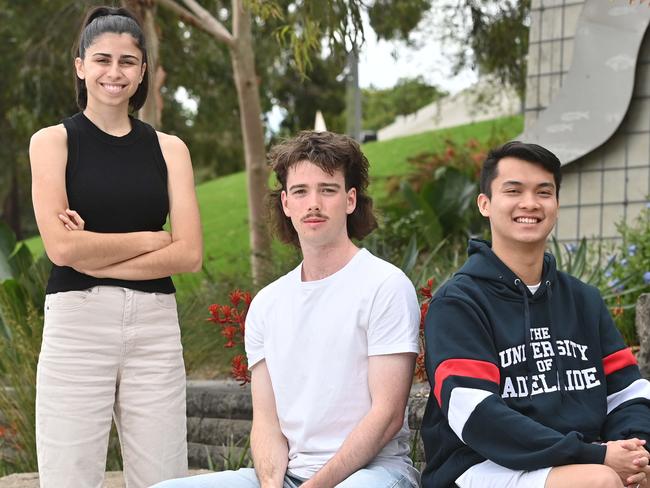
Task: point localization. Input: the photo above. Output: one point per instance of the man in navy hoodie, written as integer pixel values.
(531, 383)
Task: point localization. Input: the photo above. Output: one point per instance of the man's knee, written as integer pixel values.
(583, 476)
(604, 477)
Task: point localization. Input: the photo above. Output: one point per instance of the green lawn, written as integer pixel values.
(223, 200)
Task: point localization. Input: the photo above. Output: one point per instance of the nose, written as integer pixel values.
(315, 202)
(114, 70)
(529, 200)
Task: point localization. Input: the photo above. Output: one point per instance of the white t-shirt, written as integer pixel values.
(316, 337)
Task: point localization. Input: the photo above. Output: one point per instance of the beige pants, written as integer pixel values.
(110, 352)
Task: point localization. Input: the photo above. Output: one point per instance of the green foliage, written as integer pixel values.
(320, 88)
(618, 271)
(381, 106)
(22, 295)
(434, 205)
(22, 292)
(396, 19)
(238, 454)
(630, 275)
(35, 90)
(491, 37)
(586, 262)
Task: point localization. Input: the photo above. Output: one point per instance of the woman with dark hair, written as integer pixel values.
(111, 340)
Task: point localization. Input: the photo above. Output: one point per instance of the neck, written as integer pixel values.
(525, 261)
(112, 120)
(322, 261)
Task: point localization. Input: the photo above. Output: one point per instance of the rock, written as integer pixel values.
(643, 332)
(219, 399)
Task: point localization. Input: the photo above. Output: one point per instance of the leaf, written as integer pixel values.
(433, 230)
(410, 255)
(7, 245)
(21, 260)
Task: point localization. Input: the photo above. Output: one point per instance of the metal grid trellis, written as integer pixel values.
(611, 183)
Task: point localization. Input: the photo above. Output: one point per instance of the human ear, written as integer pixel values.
(79, 68)
(483, 203)
(283, 200)
(351, 200)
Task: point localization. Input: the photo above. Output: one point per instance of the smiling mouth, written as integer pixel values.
(112, 87)
(528, 220)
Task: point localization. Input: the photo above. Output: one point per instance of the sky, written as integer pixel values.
(382, 63)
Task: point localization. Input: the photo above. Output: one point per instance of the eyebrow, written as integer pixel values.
(546, 184)
(124, 56)
(300, 186)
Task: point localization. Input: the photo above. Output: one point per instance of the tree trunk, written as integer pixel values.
(250, 113)
(151, 111)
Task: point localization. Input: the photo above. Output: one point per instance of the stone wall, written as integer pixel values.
(219, 419)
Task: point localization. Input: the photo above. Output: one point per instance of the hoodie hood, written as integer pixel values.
(485, 265)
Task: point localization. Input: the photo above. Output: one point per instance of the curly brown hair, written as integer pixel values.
(330, 152)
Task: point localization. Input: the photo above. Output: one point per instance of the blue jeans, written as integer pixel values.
(374, 477)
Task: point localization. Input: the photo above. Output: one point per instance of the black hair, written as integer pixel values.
(531, 153)
(101, 20)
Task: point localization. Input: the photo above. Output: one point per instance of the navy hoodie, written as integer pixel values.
(525, 380)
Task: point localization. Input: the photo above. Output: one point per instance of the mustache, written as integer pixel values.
(314, 215)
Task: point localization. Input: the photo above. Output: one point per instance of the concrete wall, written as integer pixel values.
(484, 101)
(611, 183)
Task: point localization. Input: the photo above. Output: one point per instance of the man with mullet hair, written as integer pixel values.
(332, 344)
(531, 383)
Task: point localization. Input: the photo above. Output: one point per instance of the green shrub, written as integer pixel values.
(22, 294)
(630, 274)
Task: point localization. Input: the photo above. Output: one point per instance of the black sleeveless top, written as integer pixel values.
(117, 184)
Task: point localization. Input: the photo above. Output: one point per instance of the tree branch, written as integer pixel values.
(199, 18)
(211, 24)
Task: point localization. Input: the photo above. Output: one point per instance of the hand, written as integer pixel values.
(629, 459)
(72, 220)
(641, 477)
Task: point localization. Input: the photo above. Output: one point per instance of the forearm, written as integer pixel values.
(360, 447)
(94, 250)
(178, 257)
(270, 456)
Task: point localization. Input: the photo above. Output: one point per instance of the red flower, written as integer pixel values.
(229, 332)
(420, 370)
(424, 308)
(214, 312)
(425, 291)
(232, 319)
(239, 369)
(235, 297)
(450, 153)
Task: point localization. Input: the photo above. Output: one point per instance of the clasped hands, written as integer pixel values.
(630, 460)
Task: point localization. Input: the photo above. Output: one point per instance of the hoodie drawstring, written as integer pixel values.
(559, 369)
(527, 327)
